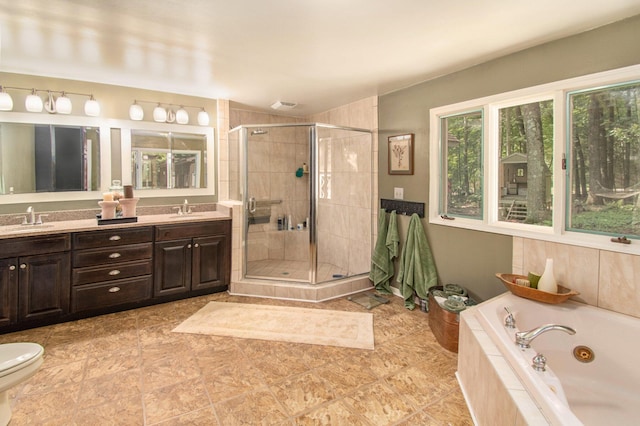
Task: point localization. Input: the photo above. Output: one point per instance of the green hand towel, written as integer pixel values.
(381, 260)
(417, 268)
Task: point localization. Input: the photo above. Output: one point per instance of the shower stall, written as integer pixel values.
(306, 191)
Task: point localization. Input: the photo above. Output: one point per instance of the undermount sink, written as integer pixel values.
(26, 229)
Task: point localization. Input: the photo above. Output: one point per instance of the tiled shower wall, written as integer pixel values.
(606, 279)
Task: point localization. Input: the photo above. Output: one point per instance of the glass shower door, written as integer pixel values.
(277, 203)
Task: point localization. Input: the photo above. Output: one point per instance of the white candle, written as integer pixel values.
(107, 196)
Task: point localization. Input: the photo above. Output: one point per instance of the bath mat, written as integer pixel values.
(286, 324)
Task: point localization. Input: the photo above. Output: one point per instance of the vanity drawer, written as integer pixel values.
(97, 296)
(112, 237)
(106, 256)
(199, 229)
(111, 272)
(12, 247)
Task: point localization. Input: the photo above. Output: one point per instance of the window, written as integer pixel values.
(604, 132)
(462, 142)
(560, 161)
(525, 169)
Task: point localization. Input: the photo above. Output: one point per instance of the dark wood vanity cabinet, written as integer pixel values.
(111, 268)
(34, 279)
(60, 277)
(192, 258)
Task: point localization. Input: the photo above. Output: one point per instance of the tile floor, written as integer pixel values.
(130, 369)
(295, 270)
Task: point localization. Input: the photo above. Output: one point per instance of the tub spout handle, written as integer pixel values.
(539, 362)
(509, 321)
(524, 338)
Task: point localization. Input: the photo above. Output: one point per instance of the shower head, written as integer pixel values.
(258, 132)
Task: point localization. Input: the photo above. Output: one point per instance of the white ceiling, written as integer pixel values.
(317, 53)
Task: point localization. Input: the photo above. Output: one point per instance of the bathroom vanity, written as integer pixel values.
(76, 269)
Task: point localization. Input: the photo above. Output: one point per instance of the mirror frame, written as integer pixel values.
(106, 125)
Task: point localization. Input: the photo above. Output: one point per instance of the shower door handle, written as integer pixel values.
(252, 205)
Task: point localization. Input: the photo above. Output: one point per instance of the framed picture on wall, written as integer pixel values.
(401, 154)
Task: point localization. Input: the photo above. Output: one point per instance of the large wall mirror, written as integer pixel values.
(52, 158)
(56, 158)
(168, 159)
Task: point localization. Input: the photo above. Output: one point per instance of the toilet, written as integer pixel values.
(18, 362)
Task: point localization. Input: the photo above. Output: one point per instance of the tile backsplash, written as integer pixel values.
(605, 279)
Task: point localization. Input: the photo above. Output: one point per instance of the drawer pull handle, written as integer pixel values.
(114, 289)
(196, 245)
(114, 272)
(12, 267)
(114, 255)
(188, 246)
(114, 238)
(23, 266)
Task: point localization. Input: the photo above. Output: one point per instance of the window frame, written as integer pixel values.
(558, 92)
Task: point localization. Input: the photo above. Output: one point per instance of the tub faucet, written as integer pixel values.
(509, 321)
(524, 338)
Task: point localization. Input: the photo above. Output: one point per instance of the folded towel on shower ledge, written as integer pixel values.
(417, 267)
(386, 249)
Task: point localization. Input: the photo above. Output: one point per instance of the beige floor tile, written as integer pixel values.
(175, 400)
(300, 393)
(202, 417)
(379, 404)
(123, 385)
(257, 407)
(335, 413)
(117, 412)
(346, 375)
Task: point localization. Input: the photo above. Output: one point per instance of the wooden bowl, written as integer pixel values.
(509, 280)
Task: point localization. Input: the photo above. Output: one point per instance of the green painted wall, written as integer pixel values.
(471, 258)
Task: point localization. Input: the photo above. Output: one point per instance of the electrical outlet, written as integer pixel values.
(398, 193)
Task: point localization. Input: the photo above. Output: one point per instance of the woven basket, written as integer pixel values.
(509, 280)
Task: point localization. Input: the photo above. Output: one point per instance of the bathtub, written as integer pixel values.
(605, 391)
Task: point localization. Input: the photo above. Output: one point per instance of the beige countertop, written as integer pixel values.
(13, 231)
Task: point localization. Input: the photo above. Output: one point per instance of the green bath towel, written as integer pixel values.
(385, 251)
(417, 268)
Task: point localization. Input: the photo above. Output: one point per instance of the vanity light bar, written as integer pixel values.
(165, 113)
(61, 105)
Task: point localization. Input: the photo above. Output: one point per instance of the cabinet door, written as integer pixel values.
(8, 291)
(44, 289)
(210, 261)
(172, 273)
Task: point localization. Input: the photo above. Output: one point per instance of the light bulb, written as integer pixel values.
(136, 112)
(33, 102)
(63, 104)
(159, 114)
(6, 102)
(92, 107)
(182, 116)
(203, 118)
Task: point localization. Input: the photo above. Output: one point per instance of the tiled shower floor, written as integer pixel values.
(292, 270)
(130, 369)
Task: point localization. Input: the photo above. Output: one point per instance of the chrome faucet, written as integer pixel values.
(184, 209)
(32, 212)
(524, 338)
(509, 321)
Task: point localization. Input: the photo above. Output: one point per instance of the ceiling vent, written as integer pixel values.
(284, 105)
